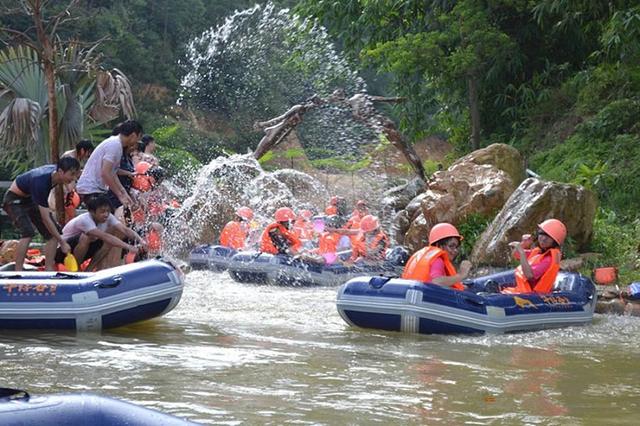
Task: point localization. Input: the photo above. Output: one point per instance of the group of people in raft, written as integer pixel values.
(290, 232)
(118, 182)
(316, 241)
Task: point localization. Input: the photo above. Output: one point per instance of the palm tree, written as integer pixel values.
(86, 95)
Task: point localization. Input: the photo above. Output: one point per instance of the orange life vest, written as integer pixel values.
(266, 244)
(233, 235)
(71, 203)
(303, 229)
(360, 248)
(419, 266)
(331, 210)
(546, 281)
(328, 243)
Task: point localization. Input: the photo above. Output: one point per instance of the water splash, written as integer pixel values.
(227, 183)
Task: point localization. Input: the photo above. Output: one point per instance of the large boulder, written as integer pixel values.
(303, 187)
(228, 183)
(465, 188)
(531, 203)
(502, 156)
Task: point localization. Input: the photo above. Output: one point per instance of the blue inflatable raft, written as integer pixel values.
(264, 268)
(17, 408)
(89, 301)
(415, 307)
(210, 257)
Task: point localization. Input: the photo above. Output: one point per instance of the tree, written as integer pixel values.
(41, 60)
(441, 56)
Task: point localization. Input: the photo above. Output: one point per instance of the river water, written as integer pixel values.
(242, 354)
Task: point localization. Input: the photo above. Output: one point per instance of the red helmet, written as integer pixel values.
(555, 229)
(284, 214)
(142, 181)
(245, 213)
(441, 231)
(369, 223)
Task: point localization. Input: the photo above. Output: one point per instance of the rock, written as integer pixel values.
(8, 251)
(533, 202)
(503, 157)
(613, 306)
(572, 265)
(228, 183)
(632, 309)
(303, 187)
(399, 227)
(465, 188)
(397, 198)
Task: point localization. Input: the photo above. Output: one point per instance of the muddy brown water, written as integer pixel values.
(242, 354)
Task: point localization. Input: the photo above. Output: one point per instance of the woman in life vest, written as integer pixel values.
(278, 237)
(539, 267)
(372, 243)
(432, 264)
(303, 228)
(328, 241)
(235, 232)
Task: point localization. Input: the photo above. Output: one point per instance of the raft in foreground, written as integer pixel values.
(414, 307)
(89, 301)
(18, 408)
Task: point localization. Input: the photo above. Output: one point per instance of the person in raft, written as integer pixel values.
(539, 267)
(27, 205)
(278, 237)
(372, 243)
(432, 264)
(88, 232)
(235, 233)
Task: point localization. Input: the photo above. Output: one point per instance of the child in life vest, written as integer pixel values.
(539, 266)
(235, 233)
(433, 264)
(372, 243)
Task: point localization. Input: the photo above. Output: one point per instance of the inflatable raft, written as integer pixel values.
(263, 268)
(89, 301)
(414, 307)
(18, 408)
(209, 257)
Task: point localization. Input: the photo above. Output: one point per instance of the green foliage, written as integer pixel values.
(471, 229)
(618, 241)
(176, 161)
(202, 146)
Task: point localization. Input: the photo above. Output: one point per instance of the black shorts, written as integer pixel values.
(25, 214)
(73, 242)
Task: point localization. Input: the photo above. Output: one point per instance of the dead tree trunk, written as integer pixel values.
(362, 109)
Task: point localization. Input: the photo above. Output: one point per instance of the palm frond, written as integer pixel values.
(20, 72)
(20, 124)
(125, 94)
(113, 93)
(71, 122)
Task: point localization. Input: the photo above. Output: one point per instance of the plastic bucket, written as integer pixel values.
(605, 276)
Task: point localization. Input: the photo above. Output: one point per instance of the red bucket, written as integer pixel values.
(605, 276)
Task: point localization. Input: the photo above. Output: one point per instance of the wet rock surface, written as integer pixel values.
(533, 202)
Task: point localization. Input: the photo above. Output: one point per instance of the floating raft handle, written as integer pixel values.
(13, 394)
(115, 282)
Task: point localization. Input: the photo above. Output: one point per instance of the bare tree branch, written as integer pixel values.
(362, 108)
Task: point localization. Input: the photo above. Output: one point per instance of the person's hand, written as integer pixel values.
(133, 249)
(515, 245)
(65, 247)
(144, 245)
(465, 267)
